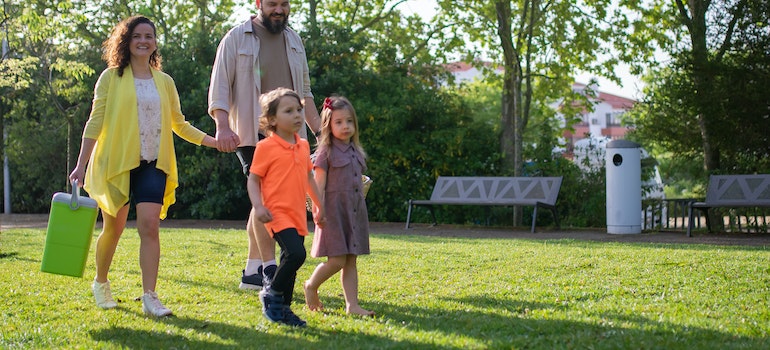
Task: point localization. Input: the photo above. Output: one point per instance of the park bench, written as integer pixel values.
(731, 191)
(502, 191)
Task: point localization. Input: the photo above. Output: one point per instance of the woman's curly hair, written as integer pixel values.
(116, 48)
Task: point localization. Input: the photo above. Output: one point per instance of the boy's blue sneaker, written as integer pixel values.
(272, 306)
(252, 282)
(291, 319)
(268, 274)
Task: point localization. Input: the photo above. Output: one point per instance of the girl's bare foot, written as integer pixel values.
(311, 298)
(358, 310)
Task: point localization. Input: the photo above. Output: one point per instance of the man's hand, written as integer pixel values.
(227, 140)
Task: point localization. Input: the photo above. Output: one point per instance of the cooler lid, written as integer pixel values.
(66, 198)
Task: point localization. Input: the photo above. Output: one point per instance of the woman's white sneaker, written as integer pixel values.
(103, 295)
(152, 306)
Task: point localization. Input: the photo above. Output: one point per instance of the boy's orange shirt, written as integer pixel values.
(283, 169)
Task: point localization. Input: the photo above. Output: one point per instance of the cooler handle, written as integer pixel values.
(74, 204)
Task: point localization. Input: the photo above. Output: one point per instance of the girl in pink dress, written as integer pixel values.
(340, 162)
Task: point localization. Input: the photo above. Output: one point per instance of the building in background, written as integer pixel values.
(603, 120)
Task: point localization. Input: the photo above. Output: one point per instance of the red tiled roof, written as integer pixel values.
(617, 102)
(455, 67)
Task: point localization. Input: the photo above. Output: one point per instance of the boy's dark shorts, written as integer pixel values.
(246, 155)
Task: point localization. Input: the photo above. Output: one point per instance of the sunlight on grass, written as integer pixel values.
(428, 292)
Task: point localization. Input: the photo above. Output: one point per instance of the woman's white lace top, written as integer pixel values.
(148, 106)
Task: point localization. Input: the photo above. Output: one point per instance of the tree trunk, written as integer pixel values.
(703, 78)
(510, 121)
(313, 20)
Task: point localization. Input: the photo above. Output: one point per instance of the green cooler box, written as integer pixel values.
(70, 231)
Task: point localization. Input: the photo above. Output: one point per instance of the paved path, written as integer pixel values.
(8, 221)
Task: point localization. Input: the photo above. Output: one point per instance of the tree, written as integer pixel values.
(712, 43)
(541, 45)
(46, 79)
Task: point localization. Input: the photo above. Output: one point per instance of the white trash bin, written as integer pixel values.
(624, 187)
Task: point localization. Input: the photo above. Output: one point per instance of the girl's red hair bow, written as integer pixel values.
(328, 104)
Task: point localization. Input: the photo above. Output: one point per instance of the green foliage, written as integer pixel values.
(582, 197)
(37, 164)
(44, 91)
(667, 118)
(716, 47)
(683, 178)
(383, 34)
(211, 184)
(552, 293)
(483, 100)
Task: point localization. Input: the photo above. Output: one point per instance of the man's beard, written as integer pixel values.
(273, 27)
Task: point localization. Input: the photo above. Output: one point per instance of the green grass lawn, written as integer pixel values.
(428, 292)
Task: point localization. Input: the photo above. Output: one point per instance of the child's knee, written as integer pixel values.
(301, 256)
(336, 262)
(297, 257)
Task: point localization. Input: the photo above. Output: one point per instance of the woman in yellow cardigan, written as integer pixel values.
(129, 149)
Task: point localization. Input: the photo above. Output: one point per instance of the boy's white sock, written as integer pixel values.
(252, 266)
(268, 263)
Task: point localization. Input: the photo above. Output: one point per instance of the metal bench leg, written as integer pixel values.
(690, 221)
(534, 219)
(408, 215)
(556, 218)
(708, 219)
(435, 222)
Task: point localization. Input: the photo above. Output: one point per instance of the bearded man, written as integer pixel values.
(254, 58)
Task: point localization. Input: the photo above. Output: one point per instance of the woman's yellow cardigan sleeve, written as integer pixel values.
(114, 125)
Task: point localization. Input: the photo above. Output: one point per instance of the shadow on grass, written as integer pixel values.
(507, 324)
(15, 256)
(222, 335)
(519, 330)
(8, 255)
(226, 336)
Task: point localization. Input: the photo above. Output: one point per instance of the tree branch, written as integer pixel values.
(424, 43)
(380, 16)
(738, 13)
(684, 15)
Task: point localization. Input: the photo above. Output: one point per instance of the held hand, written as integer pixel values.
(262, 214)
(227, 140)
(319, 217)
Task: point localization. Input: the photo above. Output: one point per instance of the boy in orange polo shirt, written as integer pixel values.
(281, 175)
